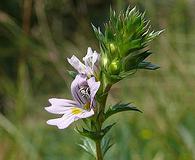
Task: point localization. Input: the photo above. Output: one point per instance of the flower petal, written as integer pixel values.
(62, 122)
(77, 64)
(75, 88)
(95, 61)
(86, 114)
(62, 102)
(91, 58)
(60, 106)
(95, 57)
(72, 114)
(89, 71)
(94, 86)
(88, 56)
(57, 109)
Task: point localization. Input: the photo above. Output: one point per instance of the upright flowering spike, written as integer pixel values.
(83, 91)
(124, 48)
(124, 44)
(91, 65)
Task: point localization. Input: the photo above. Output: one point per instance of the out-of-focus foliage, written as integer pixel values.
(37, 36)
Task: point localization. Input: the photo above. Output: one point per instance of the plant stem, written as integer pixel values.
(100, 120)
(99, 155)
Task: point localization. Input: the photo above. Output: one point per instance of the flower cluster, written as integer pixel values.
(83, 88)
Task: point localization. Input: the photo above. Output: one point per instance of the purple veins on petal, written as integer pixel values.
(91, 61)
(94, 86)
(77, 64)
(83, 91)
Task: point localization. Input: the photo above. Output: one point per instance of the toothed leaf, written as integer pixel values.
(119, 107)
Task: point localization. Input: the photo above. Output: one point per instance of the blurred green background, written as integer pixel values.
(37, 36)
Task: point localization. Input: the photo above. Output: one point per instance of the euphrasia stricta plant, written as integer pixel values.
(123, 51)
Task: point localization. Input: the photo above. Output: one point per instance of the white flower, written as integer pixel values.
(70, 114)
(83, 91)
(91, 65)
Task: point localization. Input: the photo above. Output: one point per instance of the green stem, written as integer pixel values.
(100, 120)
(99, 155)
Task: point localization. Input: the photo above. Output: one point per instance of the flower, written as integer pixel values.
(91, 65)
(83, 91)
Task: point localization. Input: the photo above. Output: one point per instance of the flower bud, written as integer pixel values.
(104, 60)
(112, 47)
(114, 67)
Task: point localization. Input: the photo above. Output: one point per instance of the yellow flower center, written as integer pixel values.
(76, 111)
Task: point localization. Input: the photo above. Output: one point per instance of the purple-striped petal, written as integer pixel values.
(78, 83)
(94, 86)
(91, 60)
(77, 64)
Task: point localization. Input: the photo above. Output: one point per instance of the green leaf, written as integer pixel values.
(89, 146)
(72, 74)
(133, 60)
(94, 135)
(154, 34)
(98, 33)
(106, 144)
(86, 133)
(147, 65)
(107, 128)
(120, 107)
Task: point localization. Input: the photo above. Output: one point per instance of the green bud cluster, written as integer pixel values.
(124, 44)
